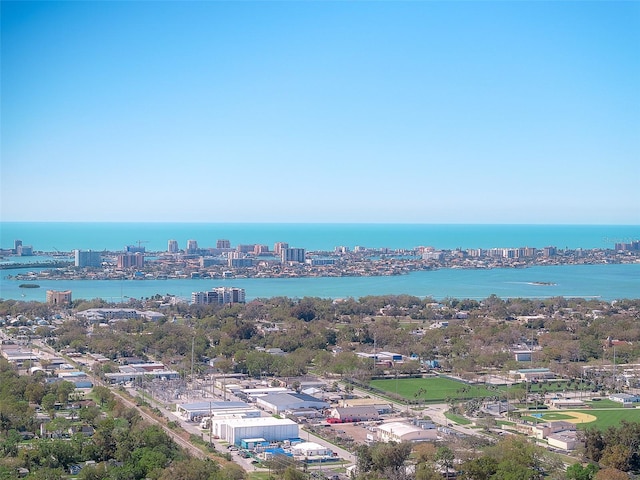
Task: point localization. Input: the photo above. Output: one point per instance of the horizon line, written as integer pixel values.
(148, 222)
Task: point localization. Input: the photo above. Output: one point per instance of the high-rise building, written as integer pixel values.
(292, 255)
(55, 297)
(245, 248)
(240, 262)
(223, 243)
(526, 252)
(550, 251)
(87, 258)
(172, 246)
(129, 260)
(260, 249)
(192, 247)
(277, 248)
(24, 250)
(433, 255)
(16, 244)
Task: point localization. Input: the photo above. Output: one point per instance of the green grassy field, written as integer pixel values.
(434, 389)
(604, 418)
(459, 419)
(605, 403)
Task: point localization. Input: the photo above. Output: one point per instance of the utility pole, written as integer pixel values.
(615, 380)
(375, 359)
(193, 344)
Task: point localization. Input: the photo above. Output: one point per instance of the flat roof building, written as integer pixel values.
(280, 402)
(292, 255)
(404, 432)
(272, 429)
(55, 297)
(87, 258)
(189, 411)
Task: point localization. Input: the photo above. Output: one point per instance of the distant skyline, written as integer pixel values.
(409, 112)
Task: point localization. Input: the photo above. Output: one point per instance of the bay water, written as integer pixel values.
(607, 282)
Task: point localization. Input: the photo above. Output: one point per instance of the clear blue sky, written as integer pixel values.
(428, 112)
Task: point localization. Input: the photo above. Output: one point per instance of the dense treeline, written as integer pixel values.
(566, 332)
(616, 447)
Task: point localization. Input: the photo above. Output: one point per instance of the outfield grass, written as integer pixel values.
(605, 417)
(433, 389)
(604, 403)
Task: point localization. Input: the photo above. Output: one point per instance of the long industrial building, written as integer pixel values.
(271, 429)
(197, 410)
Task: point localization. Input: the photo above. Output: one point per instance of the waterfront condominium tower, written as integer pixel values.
(192, 247)
(292, 255)
(172, 246)
(87, 258)
(277, 248)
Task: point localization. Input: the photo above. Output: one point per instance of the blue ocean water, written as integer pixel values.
(49, 237)
(602, 281)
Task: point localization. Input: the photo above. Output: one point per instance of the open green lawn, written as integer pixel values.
(435, 389)
(459, 419)
(604, 418)
(259, 476)
(604, 403)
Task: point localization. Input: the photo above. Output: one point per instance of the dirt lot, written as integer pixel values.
(357, 431)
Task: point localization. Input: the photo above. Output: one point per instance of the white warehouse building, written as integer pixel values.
(311, 449)
(234, 430)
(197, 410)
(404, 432)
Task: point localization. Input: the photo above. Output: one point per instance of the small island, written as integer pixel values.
(29, 285)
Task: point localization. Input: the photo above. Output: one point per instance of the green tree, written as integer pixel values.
(190, 469)
(291, 473)
(94, 472)
(63, 390)
(47, 473)
(148, 460)
(426, 471)
(578, 472)
(9, 444)
(103, 395)
(48, 403)
(593, 444)
(445, 458)
(616, 456)
(481, 468)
